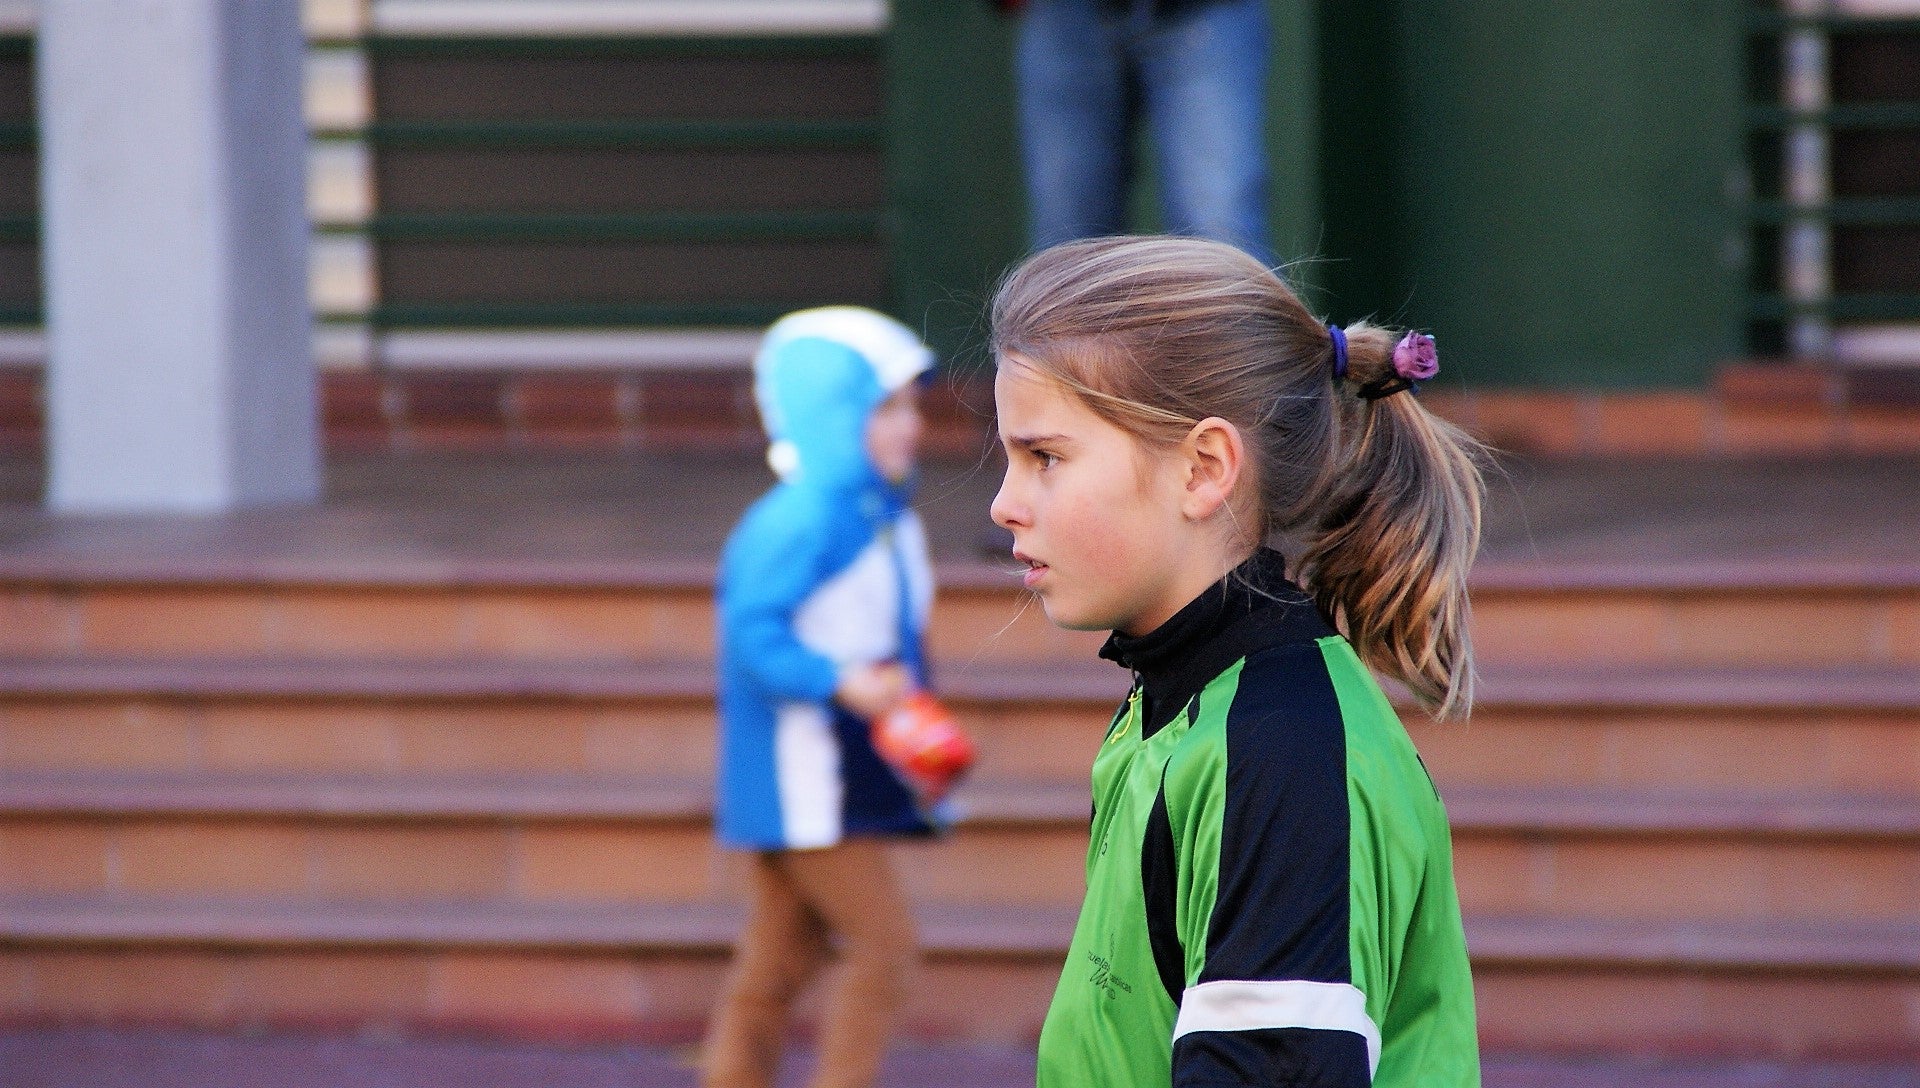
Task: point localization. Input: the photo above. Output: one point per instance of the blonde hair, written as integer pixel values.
(1156, 333)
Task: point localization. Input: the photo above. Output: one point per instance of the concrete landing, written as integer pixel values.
(608, 510)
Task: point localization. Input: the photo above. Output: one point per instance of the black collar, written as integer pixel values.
(1253, 607)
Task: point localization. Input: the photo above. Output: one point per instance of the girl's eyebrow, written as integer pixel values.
(1027, 442)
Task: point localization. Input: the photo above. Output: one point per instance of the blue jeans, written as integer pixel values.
(1087, 70)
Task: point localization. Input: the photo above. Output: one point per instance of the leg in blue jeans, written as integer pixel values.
(1203, 73)
(1076, 103)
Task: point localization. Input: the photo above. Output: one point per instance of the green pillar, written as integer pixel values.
(957, 212)
(1294, 135)
(1550, 187)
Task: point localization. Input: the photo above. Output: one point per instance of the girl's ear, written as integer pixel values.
(1214, 456)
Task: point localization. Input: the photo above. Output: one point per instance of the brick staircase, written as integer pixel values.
(474, 796)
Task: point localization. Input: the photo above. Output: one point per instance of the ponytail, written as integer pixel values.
(1388, 559)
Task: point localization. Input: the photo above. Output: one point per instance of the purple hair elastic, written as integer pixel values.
(1339, 352)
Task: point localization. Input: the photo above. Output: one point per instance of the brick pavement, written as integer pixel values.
(101, 1058)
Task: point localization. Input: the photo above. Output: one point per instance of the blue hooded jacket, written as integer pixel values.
(826, 571)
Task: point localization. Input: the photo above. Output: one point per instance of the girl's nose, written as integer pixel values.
(1006, 512)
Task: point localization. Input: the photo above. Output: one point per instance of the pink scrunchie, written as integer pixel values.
(1415, 358)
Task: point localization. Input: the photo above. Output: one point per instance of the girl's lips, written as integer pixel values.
(1035, 569)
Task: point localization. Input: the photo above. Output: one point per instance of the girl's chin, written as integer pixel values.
(1063, 615)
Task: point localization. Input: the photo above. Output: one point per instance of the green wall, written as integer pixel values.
(1546, 186)
(1549, 187)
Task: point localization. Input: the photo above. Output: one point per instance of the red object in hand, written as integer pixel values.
(924, 742)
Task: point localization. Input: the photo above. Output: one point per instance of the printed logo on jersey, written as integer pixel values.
(1103, 978)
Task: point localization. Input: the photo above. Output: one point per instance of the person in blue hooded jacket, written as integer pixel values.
(824, 592)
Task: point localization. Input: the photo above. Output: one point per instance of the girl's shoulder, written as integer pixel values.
(1287, 734)
(1293, 678)
(1267, 714)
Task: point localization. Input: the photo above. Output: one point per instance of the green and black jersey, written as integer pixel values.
(1270, 896)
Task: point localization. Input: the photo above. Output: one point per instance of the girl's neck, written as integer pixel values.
(1194, 578)
(1252, 607)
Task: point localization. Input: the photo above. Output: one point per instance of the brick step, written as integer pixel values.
(533, 799)
(472, 715)
(1637, 687)
(427, 839)
(522, 799)
(1839, 729)
(494, 677)
(945, 930)
(1845, 729)
(1736, 989)
(1753, 613)
(699, 928)
(1622, 855)
(1627, 687)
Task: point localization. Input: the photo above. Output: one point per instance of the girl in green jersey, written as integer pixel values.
(1270, 895)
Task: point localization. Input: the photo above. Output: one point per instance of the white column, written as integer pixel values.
(172, 149)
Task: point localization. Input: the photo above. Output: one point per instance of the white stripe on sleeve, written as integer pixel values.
(1231, 1005)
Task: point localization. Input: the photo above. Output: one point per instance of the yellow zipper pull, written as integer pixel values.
(1132, 715)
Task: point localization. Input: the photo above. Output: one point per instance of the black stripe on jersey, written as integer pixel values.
(1296, 1057)
(1160, 879)
(1282, 909)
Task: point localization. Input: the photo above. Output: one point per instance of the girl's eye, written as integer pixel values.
(1047, 460)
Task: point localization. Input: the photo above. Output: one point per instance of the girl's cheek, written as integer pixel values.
(1091, 539)
(1105, 554)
